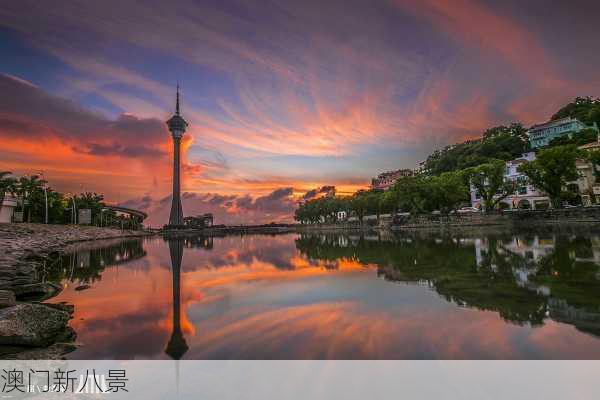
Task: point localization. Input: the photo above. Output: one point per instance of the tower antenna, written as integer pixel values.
(177, 103)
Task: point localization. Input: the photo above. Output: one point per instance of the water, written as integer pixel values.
(336, 297)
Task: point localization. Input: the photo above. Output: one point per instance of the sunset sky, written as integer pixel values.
(282, 97)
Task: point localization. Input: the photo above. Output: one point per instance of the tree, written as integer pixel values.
(57, 207)
(411, 193)
(594, 158)
(26, 188)
(7, 185)
(500, 142)
(585, 109)
(388, 202)
(488, 180)
(358, 204)
(552, 169)
(447, 191)
(580, 138)
(91, 201)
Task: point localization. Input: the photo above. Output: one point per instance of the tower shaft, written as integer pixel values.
(176, 216)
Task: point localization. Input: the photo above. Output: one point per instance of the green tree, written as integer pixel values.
(91, 201)
(500, 142)
(594, 158)
(488, 180)
(580, 138)
(388, 202)
(552, 169)
(447, 191)
(585, 109)
(359, 204)
(28, 187)
(7, 185)
(411, 193)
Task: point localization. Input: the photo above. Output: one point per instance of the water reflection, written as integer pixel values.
(177, 346)
(524, 278)
(337, 296)
(85, 262)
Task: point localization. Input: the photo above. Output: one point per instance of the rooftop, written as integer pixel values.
(550, 124)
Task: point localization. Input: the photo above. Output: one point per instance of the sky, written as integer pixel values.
(283, 97)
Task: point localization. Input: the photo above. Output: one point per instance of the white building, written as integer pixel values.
(525, 196)
(7, 208)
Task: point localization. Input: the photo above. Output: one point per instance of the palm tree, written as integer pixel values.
(7, 185)
(26, 186)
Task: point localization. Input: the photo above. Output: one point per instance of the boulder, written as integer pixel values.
(62, 306)
(7, 298)
(32, 325)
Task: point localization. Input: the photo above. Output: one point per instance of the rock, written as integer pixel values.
(56, 351)
(62, 306)
(37, 291)
(7, 298)
(32, 325)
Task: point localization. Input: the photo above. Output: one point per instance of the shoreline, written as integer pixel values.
(24, 244)
(30, 327)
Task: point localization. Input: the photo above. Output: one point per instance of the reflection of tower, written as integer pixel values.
(177, 346)
(177, 126)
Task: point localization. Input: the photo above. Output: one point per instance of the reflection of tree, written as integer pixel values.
(87, 265)
(572, 273)
(447, 265)
(177, 346)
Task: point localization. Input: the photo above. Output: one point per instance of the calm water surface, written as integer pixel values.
(336, 297)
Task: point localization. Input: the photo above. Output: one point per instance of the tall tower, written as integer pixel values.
(177, 126)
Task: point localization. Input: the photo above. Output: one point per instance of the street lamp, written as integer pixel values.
(73, 210)
(101, 215)
(45, 196)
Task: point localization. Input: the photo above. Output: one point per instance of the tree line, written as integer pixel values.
(31, 193)
(551, 171)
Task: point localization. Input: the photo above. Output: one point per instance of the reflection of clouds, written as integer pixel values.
(259, 297)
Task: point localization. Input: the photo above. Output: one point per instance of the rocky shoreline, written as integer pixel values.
(30, 329)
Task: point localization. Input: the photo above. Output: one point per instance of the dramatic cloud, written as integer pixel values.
(298, 94)
(277, 206)
(29, 112)
(314, 193)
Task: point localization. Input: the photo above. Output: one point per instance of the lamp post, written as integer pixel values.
(73, 210)
(45, 196)
(102, 215)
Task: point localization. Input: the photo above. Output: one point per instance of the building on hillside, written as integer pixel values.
(541, 135)
(526, 196)
(7, 208)
(387, 179)
(585, 186)
(593, 146)
(199, 221)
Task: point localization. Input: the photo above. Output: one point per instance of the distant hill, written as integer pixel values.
(501, 142)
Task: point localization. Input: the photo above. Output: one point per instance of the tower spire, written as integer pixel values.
(177, 102)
